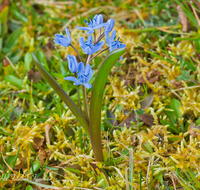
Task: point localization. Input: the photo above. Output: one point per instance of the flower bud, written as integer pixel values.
(72, 63)
(109, 27)
(99, 19)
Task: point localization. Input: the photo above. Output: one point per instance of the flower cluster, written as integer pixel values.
(89, 47)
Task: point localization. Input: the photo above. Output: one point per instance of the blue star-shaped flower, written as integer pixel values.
(88, 46)
(112, 43)
(62, 40)
(84, 76)
(95, 23)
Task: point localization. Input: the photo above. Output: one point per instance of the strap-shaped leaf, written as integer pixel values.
(96, 101)
(63, 95)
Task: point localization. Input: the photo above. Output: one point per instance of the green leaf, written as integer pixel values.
(194, 178)
(146, 146)
(14, 81)
(36, 166)
(11, 160)
(42, 59)
(96, 101)
(27, 60)
(175, 105)
(63, 95)
(197, 121)
(29, 188)
(16, 56)
(12, 40)
(4, 15)
(1, 44)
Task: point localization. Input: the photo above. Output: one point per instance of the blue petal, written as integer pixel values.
(111, 23)
(72, 79)
(68, 35)
(77, 83)
(99, 19)
(89, 40)
(80, 68)
(72, 63)
(90, 31)
(112, 38)
(59, 35)
(57, 41)
(87, 85)
(90, 75)
(122, 45)
(87, 69)
(100, 26)
(107, 37)
(88, 50)
(98, 46)
(81, 41)
(82, 28)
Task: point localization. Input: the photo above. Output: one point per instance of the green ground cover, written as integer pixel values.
(151, 108)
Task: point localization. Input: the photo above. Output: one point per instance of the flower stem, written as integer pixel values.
(79, 102)
(99, 53)
(85, 102)
(88, 59)
(79, 57)
(94, 37)
(100, 37)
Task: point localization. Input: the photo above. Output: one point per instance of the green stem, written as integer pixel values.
(100, 37)
(85, 102)
(94, 37)
(79, 102)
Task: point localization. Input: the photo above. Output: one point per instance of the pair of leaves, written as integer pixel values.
(96, 99)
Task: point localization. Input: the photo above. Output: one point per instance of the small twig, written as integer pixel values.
(5, 160)
(190, 87)
(69, 146)
(10, 62)
(176, 94)
(195, 14)
(148, 173)
(173, 182)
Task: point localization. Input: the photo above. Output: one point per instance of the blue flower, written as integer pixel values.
(84, 75)
(72, 63)
(95, 23)
(112, 43)
(62, 40)
(110, 25)
(88, 47)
